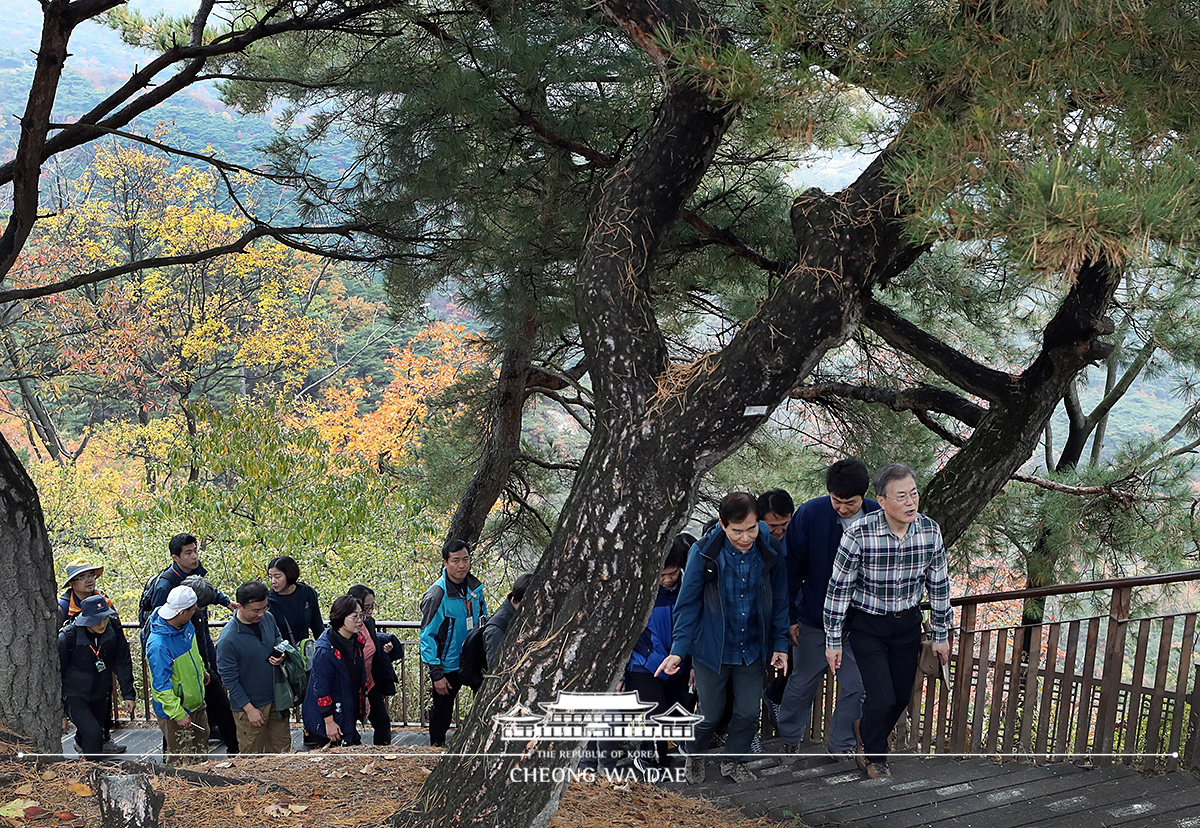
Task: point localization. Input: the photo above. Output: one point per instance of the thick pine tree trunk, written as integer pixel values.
(657, 429)
(30, 685)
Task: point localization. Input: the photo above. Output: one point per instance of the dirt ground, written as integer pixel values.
(322, 789)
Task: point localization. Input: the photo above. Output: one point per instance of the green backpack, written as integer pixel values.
(291, 677)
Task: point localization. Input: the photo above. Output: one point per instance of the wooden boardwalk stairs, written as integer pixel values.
(940, 792)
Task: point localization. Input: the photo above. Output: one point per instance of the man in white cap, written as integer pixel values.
(177, 676)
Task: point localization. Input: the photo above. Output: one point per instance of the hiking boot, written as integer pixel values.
(111, 746)
(772, 710)
(737, 772)
(693, 768)
(878, 770)
(860, 755)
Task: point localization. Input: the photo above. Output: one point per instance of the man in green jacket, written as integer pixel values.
(178, 677)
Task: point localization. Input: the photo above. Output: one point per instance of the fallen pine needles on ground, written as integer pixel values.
(338, 787)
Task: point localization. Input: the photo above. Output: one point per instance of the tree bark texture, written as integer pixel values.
(30, 685)
(127, 801)
(502, 442)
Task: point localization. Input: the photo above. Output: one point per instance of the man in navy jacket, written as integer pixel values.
(811, 543)
(731, 618)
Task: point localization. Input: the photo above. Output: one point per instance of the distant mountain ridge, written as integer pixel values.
(99, 61)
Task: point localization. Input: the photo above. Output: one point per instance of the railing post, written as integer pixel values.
(1110, 678)
(964, 668)
(1191, 749)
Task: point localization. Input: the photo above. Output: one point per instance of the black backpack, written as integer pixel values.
(146, 605)
(473, 660)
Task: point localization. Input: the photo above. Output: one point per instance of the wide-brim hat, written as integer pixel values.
(93, 610)
(79, 567)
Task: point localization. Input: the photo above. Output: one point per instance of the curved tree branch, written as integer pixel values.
(936, 355)
(281, 234)
(921, 398)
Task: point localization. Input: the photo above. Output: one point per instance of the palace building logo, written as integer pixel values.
(583, 717)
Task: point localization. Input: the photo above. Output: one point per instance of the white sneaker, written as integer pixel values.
(737, 772)
(693, 768)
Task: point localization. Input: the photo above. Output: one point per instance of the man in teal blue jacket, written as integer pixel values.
(450, 609)
(731, 617)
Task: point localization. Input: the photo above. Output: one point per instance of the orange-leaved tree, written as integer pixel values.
(423, 371)
(157, 340)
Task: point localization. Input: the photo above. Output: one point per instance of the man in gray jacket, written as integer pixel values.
(246, 661)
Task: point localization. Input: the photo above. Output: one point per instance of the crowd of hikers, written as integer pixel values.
(759, 608)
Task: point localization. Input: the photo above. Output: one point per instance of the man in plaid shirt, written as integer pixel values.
(884, 565)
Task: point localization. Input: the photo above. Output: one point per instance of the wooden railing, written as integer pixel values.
(1105, 688)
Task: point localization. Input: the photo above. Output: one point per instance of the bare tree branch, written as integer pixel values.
(104, 114)
(939, 357)
(1125, 498)
(920, 398)
(239, 245)
(545, 464)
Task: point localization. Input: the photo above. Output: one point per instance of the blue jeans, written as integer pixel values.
(808, 668)
(745, 682)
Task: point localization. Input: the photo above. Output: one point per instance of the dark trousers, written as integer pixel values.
(442, 710)
(380, 718)
(886, 648)
(745, 685)
(89, 717)
(220, 713)
(664, 694)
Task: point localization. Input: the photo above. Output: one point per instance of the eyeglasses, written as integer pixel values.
(906, 497)
(355, 616)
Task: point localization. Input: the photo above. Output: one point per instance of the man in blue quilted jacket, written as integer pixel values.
(811, 543)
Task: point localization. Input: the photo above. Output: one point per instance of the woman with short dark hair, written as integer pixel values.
(293, 603)
(336, 697)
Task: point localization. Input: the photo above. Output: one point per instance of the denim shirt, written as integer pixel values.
(741, 577)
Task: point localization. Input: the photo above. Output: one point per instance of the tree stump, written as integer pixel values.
(127, 801)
